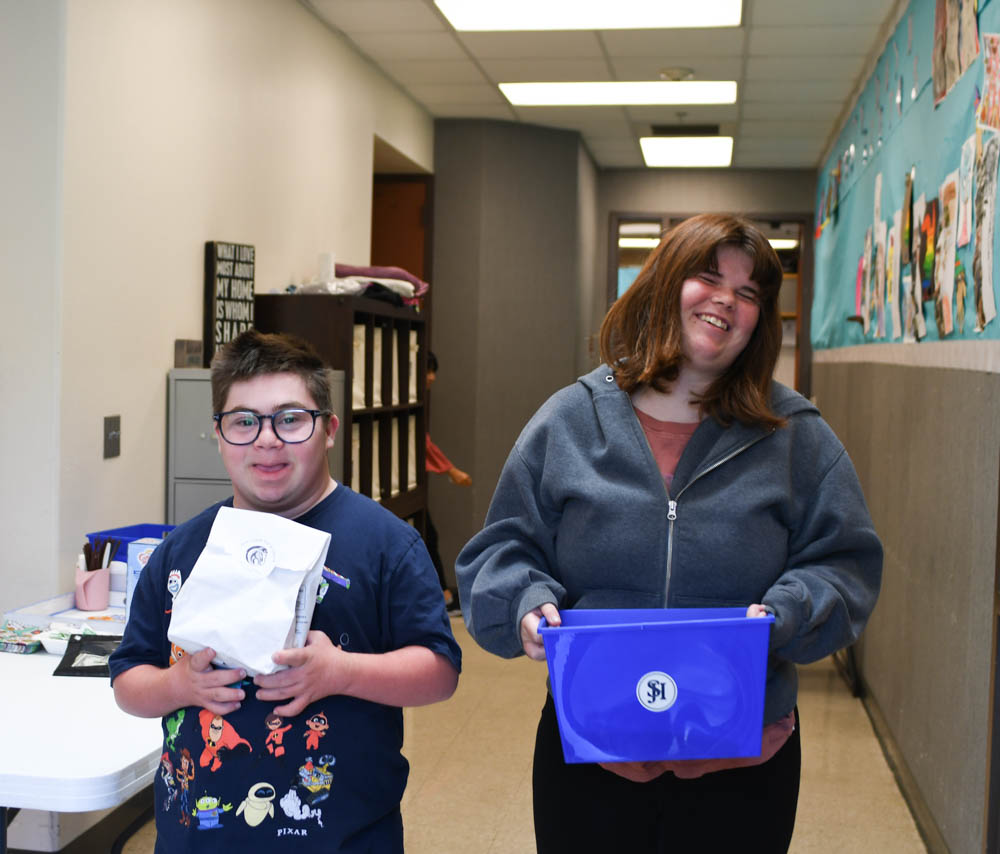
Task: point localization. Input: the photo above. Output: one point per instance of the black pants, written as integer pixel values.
(431, 541)
(581, 808)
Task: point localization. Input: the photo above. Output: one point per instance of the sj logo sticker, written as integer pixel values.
(657, 691)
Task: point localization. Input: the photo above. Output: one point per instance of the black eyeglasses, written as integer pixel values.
(242, 427)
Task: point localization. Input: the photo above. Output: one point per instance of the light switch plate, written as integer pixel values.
(112, 436)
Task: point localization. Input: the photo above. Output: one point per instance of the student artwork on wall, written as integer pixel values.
(229, 293)
(911, 251)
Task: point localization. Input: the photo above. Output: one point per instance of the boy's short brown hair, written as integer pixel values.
(252, 354)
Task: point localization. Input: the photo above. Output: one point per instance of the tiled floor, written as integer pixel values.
(470, 780)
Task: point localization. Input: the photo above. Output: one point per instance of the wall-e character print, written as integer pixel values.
(258, 804)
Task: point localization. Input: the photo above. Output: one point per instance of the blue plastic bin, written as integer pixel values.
(638, 685)
(129, 533)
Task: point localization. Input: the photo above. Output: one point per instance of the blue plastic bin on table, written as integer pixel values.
(636, 685)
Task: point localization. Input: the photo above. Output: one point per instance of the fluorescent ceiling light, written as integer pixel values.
(638, 242)
(687, 150)
(620, 92)
(783, 243)
(640, 229)
(481, 15)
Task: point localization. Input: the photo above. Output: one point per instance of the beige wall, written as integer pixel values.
(152, 127)
(31, 93)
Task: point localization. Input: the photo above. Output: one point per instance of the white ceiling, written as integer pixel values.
(796, 62)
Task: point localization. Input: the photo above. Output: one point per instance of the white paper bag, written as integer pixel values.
(252, 590)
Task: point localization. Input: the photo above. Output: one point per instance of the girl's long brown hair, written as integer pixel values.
(641, 333)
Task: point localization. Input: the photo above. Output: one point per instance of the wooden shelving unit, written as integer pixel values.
(382, 350)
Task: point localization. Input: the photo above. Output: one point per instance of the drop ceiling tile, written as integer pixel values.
(778, 145)
(618, 160)
(434, 71)
(722, 41)
(473, 111)
(608, 129)
(373, 16)
(771, 160)
(554, 115)
(778, 110)
(804, 68)
(804, 91)
(811, 41)
(456, 93)
(532, 45)
(805, 129)
(685, 114)
(545, 70)
(387, 47)
(704, 67)
(777, 13)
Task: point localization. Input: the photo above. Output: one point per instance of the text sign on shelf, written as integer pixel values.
(229, 293)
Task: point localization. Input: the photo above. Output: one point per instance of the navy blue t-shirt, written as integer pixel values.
(331, 778)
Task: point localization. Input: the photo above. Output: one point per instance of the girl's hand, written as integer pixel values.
(534, 648)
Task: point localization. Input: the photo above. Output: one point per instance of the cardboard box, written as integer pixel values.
(139, 552)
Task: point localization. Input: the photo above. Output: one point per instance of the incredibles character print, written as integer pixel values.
(275, 735)
(173, 725)
(258, 804)
(207, 811)
(185, 776)
(167, 775)
(220, 739)
(316, 727)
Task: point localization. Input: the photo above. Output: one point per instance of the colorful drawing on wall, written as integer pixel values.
(905, 236)
(966, 171)
(918, 215)
(989, 107)
(928, 242)
(968, 40)
(944, 256)
(960, 295)
(939, 74)
(866, 304)
(892, 274)
(944, 55)
(908, 321)
(880, 240)
(982, 259)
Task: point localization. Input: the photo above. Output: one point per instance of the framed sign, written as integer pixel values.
(229, 271)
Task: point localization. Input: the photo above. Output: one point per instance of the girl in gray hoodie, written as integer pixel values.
(679, 475)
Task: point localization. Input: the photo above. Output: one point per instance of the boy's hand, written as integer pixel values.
(317, 670)
(200, 684)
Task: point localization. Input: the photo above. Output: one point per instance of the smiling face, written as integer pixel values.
(719, 312)
(270, 475)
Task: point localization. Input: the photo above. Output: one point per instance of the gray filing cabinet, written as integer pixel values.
(196, 477)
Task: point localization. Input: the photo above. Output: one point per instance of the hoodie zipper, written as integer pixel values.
(672, 507)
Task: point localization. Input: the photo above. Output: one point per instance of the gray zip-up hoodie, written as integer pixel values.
(581, 518)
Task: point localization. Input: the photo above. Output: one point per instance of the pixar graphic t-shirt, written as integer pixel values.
(331, 778)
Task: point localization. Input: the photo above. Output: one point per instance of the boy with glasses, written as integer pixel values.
(380, 637)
